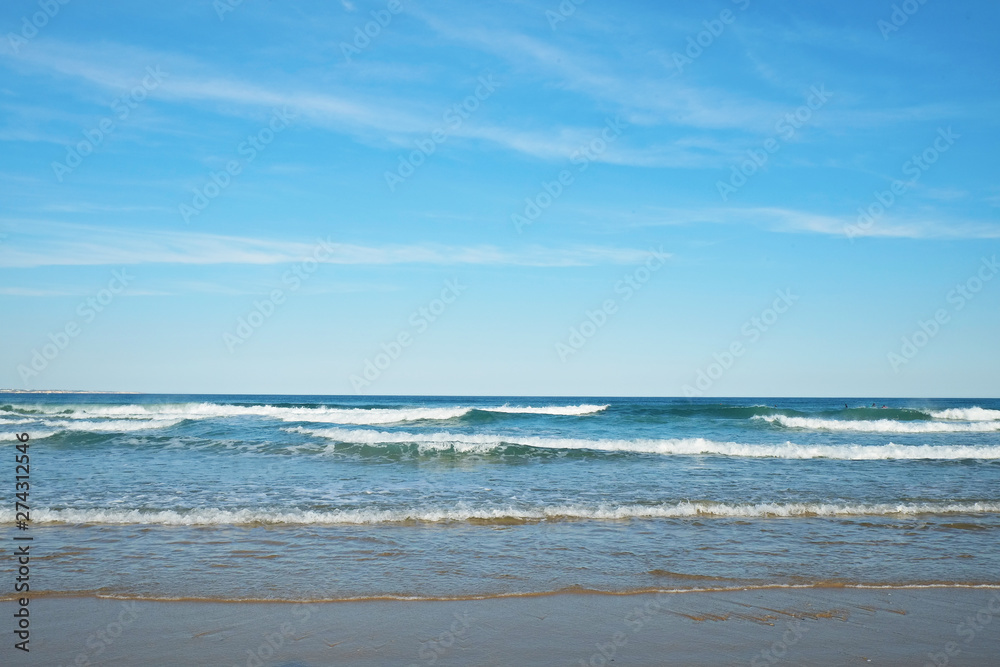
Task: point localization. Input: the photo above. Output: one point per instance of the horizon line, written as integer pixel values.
(548, 396)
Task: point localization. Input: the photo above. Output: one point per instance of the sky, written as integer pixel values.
(576, 198)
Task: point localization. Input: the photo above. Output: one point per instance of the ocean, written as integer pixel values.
(170, 497)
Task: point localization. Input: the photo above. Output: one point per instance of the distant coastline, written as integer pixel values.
(62, 391)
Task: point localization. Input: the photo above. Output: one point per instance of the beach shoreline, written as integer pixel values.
(828, 626)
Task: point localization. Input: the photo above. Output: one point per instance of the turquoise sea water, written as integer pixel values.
(333, 497)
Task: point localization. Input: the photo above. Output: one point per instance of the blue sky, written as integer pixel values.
(529, 198)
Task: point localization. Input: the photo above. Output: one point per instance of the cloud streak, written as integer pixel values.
(787, 220)
(388, 120)
(59, 244)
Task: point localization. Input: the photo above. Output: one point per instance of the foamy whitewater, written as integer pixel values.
(312, 497)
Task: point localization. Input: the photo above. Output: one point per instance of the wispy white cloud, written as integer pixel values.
(380, 119)
(645, 101)
(676, 100)
(87, 207)
(76, 291)
(113, 67)
(60, 244)
(778, 219)
(228, 289)
(34, 292)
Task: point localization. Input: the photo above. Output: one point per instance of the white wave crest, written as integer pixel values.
(567, 410)
(210, 516)
(973, 414)
(215, 410)
(110, 426)
(879, 425)
(34, 435)
(176, 412)
(9, 420)
(445, 441)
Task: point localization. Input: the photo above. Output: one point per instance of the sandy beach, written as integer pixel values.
(814, 626)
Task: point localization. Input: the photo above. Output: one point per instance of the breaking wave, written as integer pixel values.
(880, 425)
(495, 514)
(163, 415)
(462, 443)
(974, 413)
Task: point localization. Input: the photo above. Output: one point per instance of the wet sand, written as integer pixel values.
(815, 626)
